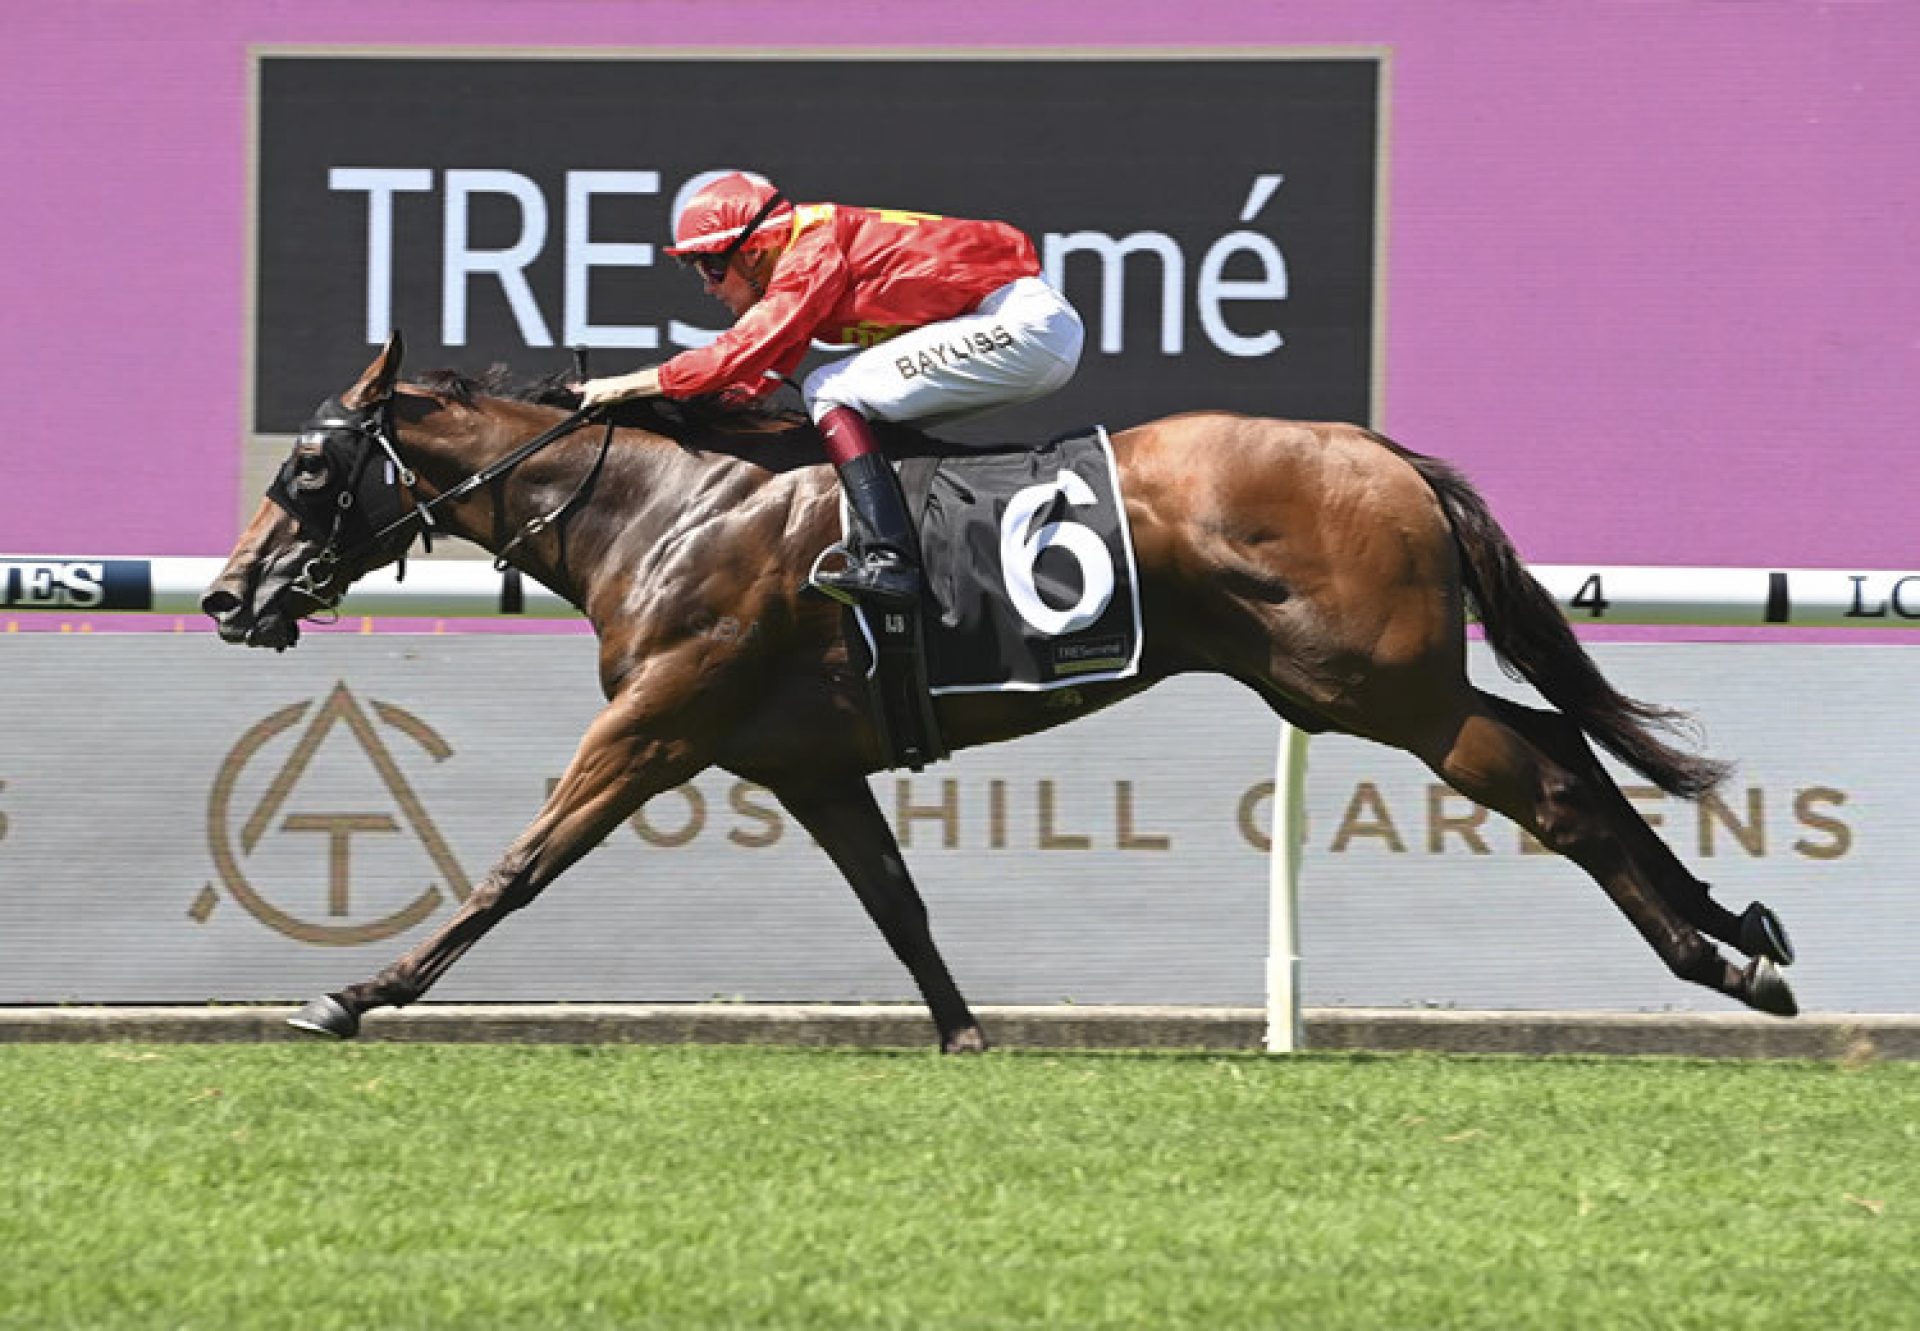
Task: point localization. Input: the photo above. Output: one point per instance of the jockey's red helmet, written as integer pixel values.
(720, 210)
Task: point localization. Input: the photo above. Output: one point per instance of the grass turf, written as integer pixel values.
(466, 1186)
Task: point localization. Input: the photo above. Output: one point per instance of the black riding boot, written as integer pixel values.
(882, 569)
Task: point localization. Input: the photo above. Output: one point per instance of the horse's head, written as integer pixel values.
(334, 512)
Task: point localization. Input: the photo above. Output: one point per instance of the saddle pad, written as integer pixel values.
(1031, 569)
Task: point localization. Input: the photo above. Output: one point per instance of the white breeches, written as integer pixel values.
(1020, 343)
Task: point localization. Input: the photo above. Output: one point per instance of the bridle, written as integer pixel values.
(377, 507)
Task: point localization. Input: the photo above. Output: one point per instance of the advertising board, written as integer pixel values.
(244, 827)
(1214, 219)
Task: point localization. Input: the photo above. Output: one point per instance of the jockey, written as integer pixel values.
(953, 318)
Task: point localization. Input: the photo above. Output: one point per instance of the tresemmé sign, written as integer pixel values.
(1213, 219)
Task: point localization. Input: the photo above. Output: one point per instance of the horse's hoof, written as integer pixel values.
(966, 1040)
(1765, 990)
(1762, 935)
(326, 1015)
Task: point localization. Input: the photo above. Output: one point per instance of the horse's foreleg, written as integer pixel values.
(1517, 761)
(848, 824)
(617, 768)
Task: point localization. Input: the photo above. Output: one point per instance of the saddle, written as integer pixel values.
(1029, 575)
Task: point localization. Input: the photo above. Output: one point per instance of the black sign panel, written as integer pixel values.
(1213, 220)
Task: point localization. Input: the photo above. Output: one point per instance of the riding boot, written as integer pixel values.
(882, 568)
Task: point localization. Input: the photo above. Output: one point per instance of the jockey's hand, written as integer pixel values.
(620, 388)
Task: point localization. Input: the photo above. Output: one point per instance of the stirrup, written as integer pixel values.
(876, 587)
(827, 590)
(863, 581)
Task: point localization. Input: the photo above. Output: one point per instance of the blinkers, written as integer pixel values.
(356, 500)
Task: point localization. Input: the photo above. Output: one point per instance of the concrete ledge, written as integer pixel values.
(1695, 1035)
(1682, 1034)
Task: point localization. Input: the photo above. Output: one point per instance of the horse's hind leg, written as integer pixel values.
(1756, 932)
(848, 824)
(1536, 768)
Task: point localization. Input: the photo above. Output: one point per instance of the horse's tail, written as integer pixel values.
(1531, 637)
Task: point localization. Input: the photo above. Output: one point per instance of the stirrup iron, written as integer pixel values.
(813, 574)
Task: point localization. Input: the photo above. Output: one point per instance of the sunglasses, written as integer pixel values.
(713, 267)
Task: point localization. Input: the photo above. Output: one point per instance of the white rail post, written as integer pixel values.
(1285, 1030)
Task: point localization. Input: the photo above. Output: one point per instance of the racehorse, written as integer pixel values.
(1322, 565)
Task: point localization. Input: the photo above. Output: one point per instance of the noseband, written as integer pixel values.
(377, 505)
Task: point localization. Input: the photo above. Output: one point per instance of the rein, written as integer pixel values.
(535, 525)
(488, 475)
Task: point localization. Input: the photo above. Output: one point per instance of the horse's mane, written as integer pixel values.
(692, 423)
(760, 430)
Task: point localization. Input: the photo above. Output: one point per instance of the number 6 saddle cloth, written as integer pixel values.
(1029, 566)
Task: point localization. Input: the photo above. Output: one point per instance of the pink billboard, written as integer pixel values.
(1645, 271)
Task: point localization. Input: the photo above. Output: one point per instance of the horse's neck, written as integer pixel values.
(566, 555)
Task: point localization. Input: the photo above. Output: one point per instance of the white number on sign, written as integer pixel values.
(1020, 551)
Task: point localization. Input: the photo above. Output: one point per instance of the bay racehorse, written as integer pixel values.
(1321, 565)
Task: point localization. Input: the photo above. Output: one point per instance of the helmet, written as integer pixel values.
(725, 206)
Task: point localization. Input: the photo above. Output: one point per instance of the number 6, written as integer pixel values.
(1020, 552)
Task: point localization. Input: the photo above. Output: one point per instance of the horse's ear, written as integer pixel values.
(376, 383)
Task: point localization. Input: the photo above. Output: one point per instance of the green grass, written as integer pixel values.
(477, 1187)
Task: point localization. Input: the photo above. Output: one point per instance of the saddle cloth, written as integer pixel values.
(1030, 567)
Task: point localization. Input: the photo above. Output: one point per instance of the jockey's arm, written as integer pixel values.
(773, 335)
(621, 388)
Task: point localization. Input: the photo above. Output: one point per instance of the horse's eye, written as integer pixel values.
(310, 466)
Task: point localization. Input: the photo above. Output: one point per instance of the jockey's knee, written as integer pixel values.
(830, 386)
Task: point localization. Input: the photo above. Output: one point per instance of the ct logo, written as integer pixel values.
(339, 828)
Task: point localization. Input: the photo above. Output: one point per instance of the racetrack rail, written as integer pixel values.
(1692, 1035)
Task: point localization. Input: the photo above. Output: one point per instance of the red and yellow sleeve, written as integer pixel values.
(775, 333)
